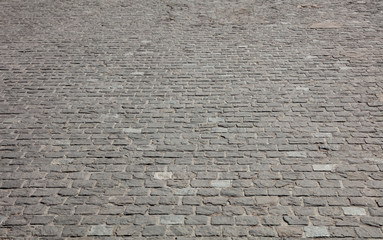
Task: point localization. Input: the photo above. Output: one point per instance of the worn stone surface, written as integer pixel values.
(175, 119)
(354, 211)
(316, 231)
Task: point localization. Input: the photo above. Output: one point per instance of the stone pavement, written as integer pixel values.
(175, 119)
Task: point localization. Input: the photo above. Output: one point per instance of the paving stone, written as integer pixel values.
(262, 232)
(179, 231)
(296, 220)
(191, 119)
(246, 220)
(101, 231)
(2, 219)
(289, 232)
(354, 211)
(153, 231)
(220, 183)
(128, 230)
(171, 220)
(185, 192)
(368, 232)
(163, 175)
(222, 220)
(323, 168)
(207, 231)
(132, 210)
(316, 231)
(342, 232)
(74, 231)
(47, 231)
(196, 220)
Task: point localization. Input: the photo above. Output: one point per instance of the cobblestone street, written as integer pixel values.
(175, 119)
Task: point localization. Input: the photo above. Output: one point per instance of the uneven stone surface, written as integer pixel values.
(175, 119)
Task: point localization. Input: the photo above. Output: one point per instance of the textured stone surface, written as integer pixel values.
(175, 119)
(316, 231)
(100, 231)
(354, 211)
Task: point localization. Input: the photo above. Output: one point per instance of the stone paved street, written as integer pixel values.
(175, 119)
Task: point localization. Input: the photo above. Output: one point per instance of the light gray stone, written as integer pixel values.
(132, 130)
(2, 219)
(185, 192)
(220, 183)
(163, 175)
(172, 220)
(322, 135)
(297, 154)
(354, 211)
(316, 231)
(323, 168)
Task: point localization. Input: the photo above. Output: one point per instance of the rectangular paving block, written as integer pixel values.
(220, 183)
(101, 231)
(185, 192)
(132, 130)
(163, 175)
(323, 167)
(354, 211)
(297, 154)
(316, 231)
(172, 220)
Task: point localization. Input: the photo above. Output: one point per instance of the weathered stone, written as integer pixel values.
(171, 220)
(128, 230)
(47, 231)
(289, 231)
(323, 168)
(74, 231)
(220, 183)
(153, 231)
(185, 192)
(326, 25)
(354, 211)
(101, 231)
(246, 220)
(369, 232)
(163, 175)
(207, 231)
(221, 220)
(196, 220)
(316, 231)
(262, 232)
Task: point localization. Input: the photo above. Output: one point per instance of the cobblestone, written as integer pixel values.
(167, 119)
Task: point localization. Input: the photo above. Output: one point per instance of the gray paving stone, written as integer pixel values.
(171, 220)
(354, 211)
(316, 231)
(323, 168)
(207, 231)
(74, 231)
(101, 231)
(153, 231)
(47, 231)
(2, 219)
(128, 230)
(368, 232)
(220, 183)
(191, 119)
